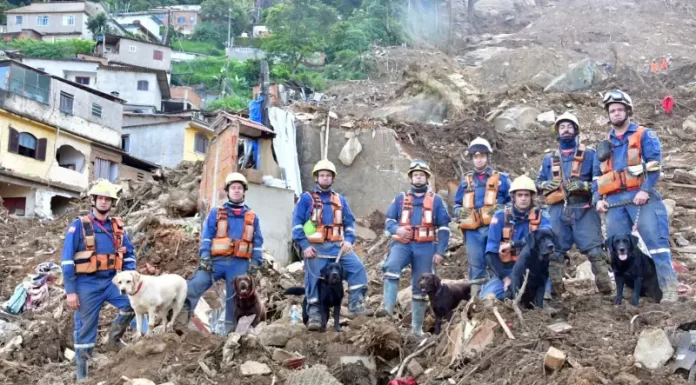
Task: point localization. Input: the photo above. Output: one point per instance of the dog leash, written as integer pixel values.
(309, 270)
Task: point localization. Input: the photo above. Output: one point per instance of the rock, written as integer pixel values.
(653, 349)
(403, 298)
(560, 327)
(415, 368)
(138, 381)
(422, 108)
(167, 383)
(8, 331)
(542, 79)
(365, 233)
(253, 368)
(280, 355)
(583, 74)
(278, 335)
(145, 347)
(584, 271)
(69, 354)
(680, 240)
(294, 267)
(627, 379)
(317, 374)
(554, 359)
(519, 117)
(349, 151)
(348, 124)
(670, 205)
(464, 86)
(230, 348)
(208, 372)
(333, 115)
(548, 118)
(14, 344)
(690, 123)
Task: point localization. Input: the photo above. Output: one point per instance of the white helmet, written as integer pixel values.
(480, 145)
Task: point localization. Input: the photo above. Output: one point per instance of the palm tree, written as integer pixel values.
(99, 24)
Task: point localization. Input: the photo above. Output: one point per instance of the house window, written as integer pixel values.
(107, 49)
(66, 102)
(105, 169)
(132, 48)
(82, 80)
(157, 55)
(181, 20)
(96, 110)
(42, 21)
(193, 20)
(125, 143)
(200, 143)
(29, 83)
(26, 144)
(69, 20)
(19, 19)
(142, 85)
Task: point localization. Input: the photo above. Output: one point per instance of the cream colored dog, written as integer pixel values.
(154, 295)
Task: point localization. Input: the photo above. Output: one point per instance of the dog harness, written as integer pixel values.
(425, 232)
(223, 245)
(88, 261)
(612, 180)
(558, 195)
(332, 232)
(479, 217)
(509, 232)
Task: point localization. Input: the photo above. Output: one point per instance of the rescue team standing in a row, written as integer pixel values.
(494, 214)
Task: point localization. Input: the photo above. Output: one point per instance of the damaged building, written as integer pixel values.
(55, 137)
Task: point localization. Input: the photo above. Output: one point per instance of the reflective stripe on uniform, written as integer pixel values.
(206, 240)
(298, 227)
(658, 251)
(355, 287)
(65, 263)
(83, 346)
(421, 297)
(444, 228)
(350, 229)
(393, 275)
(129, 260)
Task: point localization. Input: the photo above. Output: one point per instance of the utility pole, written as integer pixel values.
(229, 28)
(265, 82)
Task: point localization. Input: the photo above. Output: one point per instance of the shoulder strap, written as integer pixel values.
(87, 232)
(429, 201)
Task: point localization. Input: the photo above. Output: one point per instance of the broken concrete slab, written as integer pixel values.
(516, 118)
(653, 349)
(278, 335)
(554, 359)
(253, 368)
(582, 75)
(560, 327)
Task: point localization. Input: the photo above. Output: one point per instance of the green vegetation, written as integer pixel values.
(203, 47)
(62, 49)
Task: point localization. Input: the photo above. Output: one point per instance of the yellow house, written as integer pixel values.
(166, 139)
(55, 136)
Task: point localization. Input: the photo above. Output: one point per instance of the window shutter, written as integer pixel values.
(41, 149)
(14, 141)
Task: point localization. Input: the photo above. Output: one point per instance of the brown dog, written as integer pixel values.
(444, 298)
(247, 301)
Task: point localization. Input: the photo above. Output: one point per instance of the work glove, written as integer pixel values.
(253, 269)
(464, 213)
(494, 209)
(577, 186)
(550, 185)
(205, 263)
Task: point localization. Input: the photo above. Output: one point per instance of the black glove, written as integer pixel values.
(578, 186)
(253, 269)
(206, 264)
(550, 185)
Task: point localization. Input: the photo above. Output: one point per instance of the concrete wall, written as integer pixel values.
(42, 206)
(189, 143)
(274, 207)
(135, 175)
(375, 177)
(161, 144)
(245, 53)
(62, 67)
(126, 84)
(55, 23)
(111, 115)
(8, 190)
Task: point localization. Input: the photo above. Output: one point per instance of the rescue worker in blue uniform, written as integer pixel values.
(231, 245)
(324, 227)
(565, 178)
(629, 164)
(96, 247)
(419, 225)
(480, 195)
(507, 234)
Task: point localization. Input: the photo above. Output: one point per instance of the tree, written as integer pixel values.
(207, 31)
(99, 25)
(216, 12)
(299, 29)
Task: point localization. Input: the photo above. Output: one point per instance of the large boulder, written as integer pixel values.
(583, 74)
(516, 118)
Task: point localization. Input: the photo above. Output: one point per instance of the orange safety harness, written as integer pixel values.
(479, 217)
(223, 245)
(88, 261)
(509, 231)
(425, 232)
(558, 195)
(613, 181)
(332, 232)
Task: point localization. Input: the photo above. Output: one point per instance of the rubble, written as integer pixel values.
(554, 359)
(253, 368)
(653, 349)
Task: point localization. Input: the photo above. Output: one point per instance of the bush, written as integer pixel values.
(234, 103)
(62, 49)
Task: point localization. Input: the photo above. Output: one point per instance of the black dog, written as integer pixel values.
(330, 295)
(444, 298)
(535, 256)
(633, 268)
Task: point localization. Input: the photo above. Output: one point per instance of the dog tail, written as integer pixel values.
(295, 291)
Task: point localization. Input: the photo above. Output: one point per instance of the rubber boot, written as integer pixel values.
(556, 267)
(81, 369)
(117, 330)
(356, 304)
(182, 321)
(600, 269)
(670, 293)
(391, 289)
(417, 314)
(314, 321)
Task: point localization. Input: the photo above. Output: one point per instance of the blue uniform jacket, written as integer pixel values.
(520, 222)
(650, 150)
(104, 244)
(587, 170)
(441, 218)
(235, 228)
(480, 190)
(303, 212)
